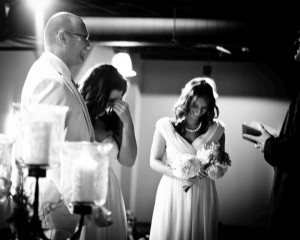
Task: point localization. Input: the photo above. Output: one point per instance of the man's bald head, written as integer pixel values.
(59, 22)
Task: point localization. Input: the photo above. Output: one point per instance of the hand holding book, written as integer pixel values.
(256, 133)
(249, 132)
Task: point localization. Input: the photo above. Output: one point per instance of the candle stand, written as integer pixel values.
(36, 231)
(81, 209)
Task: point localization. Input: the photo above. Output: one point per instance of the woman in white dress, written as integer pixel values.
(177, 214)
(103, 89)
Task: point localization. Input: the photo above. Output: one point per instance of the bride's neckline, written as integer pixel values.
(191, 142)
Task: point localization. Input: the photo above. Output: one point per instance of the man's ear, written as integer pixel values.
(62, 36)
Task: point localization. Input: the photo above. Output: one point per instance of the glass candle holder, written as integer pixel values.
(17, 132)
(37, 143)
(42, 129)
(5, 167)
(83, 173)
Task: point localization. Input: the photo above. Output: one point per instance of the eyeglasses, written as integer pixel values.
(81, 36)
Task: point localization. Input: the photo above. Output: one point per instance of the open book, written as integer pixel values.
(254, 129)
(251, 130)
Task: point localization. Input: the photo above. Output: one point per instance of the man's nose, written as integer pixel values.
(88, 44)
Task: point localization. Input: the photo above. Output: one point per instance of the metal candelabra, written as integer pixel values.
(36, 231)
(81, 209)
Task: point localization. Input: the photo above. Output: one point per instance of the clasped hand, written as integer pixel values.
(100, 216)
(189, 182)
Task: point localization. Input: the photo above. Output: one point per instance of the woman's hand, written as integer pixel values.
(189, 182)
(100, 216)
(128, 148)
(121, 108)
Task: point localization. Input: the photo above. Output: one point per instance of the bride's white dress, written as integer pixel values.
(180, 215)
(114, 203)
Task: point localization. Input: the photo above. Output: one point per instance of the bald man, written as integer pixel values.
(49, 81)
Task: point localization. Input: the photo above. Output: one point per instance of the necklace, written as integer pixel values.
(193, 130)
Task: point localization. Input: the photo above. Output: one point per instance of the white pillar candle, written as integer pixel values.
(37, 142)
(101, 183)
(83, 178)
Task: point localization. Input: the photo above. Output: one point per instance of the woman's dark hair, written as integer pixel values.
(197, 87)
(98, 83)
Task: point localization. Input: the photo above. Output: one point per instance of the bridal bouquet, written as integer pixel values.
(186, 166)
(211, 158)
(214, 160)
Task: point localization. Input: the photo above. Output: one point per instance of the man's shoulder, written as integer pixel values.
(42, 70)
(41, 66)
(42, 82)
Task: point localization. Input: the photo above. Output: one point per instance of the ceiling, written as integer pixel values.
(170, 29)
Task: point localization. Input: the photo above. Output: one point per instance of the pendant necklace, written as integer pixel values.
(193, 130)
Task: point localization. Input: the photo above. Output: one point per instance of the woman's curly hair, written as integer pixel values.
(197, 87)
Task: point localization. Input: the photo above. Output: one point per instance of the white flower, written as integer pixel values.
(214, 159)
(216, 170)
(203, 155)
(186, 166)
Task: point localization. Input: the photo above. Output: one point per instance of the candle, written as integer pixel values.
(42, 132)
(101, 182)
(83, 178)
(37, 142)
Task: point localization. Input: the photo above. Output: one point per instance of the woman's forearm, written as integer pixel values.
(128, 149)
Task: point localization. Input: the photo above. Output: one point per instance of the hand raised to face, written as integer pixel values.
(121, 108)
